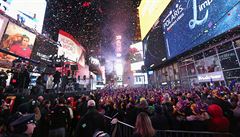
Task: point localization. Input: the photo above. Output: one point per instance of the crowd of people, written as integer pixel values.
(147, 109)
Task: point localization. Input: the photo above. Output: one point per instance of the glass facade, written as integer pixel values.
(217, 64)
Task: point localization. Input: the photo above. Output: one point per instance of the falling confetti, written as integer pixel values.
(91, 22)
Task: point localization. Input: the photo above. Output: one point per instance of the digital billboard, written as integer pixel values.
(44, 51)
(29, 12)
(154, 50)
(188, 23)
(136, 56)
(17, 41)
(3, 24)
(70, 48)
(149, 12)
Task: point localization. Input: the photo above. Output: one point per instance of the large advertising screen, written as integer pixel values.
(154, 47)
(17, 41)
(44, 51)
(136, 56)
(29, 12)
(3, 24)
(188, 23)
(149, 12)
(70, 48)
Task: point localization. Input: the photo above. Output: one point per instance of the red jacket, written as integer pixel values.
(218, 122)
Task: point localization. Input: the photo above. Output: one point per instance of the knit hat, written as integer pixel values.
(91, 103)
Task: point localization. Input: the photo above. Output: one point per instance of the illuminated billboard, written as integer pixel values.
(136, 56)
(29, 12)
(17, 41)
(189, 23)
(3, 24)
(154, 47)
(149, 12)
(44, 51)
(70, 48)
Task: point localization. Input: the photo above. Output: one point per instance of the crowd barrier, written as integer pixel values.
(121, 129)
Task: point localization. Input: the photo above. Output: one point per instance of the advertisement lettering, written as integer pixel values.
(189, 23)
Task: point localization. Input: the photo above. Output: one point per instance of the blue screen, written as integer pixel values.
(188, 23)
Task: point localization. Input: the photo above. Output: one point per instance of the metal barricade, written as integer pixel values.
(183, 133)
(121, 129)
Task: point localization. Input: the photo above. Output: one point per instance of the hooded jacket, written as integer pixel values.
(218, 122)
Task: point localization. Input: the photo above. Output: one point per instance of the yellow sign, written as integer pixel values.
(149, 12)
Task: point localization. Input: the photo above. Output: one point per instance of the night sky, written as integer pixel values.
(94, 23)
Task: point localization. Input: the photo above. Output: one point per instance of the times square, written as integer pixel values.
(120, 68)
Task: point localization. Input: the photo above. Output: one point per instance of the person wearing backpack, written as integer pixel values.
(59, 118)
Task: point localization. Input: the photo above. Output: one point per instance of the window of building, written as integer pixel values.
(238, 53)
(210, 52)
(198, 56)
(232, 75)
(237, 43)
(200, 66)
(212, 64)
(229, 60)
(225, 47)
(183, 71)
(191, 69)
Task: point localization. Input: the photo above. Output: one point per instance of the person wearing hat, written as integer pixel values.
(23, 126)
(218, 122)
(59, 118)
(91, 122)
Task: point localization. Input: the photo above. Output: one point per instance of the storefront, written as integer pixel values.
(167, 76)
(216, 65)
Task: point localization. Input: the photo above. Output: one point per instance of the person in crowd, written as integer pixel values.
(91, 123)
(59, 118)
(3, 78)
(2, 127)
(143, 126)
(159, 119)
(23, 126)
(23, 79)
(49, 83)
(218, 122)
(32, 106)
(44, 121)
(56, 79)
(82, 106)
(143, 106)
(64, 83)
(236, 114)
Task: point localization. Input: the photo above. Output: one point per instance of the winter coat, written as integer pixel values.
(218, 122)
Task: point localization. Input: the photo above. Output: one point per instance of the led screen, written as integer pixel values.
(3, 24)
(44, 51)
(188, 23)
(136, 56)
(70, 48)
(17, 41)
(154, 47)
(136, 52)
(149, 11)
(29, 12)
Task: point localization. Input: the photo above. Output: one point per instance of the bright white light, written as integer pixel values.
(32, 8)
(119, 68)
(118, 55)
(118, 37)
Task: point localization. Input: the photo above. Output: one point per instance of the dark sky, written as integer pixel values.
(94, 23)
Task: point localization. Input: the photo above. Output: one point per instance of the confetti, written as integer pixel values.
(91, 22)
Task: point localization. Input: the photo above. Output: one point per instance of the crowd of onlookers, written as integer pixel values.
(147, 109)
